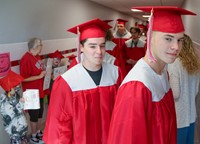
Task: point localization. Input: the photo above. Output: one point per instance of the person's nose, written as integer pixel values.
(99, 50)
(175, 45)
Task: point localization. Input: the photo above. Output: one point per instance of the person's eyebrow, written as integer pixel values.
(92, 44)
(95, 43)
(169, 35)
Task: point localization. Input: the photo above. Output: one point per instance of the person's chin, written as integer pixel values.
(171, 60)
(98, 62)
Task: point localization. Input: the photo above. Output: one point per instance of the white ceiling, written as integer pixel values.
(125, 6)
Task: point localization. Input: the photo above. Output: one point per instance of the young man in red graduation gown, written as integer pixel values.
(144, 111)
(119, 38)
(134, 48)
(82, 99)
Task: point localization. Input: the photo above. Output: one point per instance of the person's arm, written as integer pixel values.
(131, 114)
(58, 129)
(175, 85)
(26, 69)
(32, 78)
(174, 80)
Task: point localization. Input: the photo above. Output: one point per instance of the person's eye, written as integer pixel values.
(92, 46)
(180, 40)
(168, 39)
(102, 46)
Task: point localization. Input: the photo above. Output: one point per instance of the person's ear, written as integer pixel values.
(81, 47)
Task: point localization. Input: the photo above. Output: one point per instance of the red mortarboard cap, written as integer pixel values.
(11, 80)
(141, 26)
(70, 57)
(92, 29)
(121, 21)
(56, 54)
(166, 18)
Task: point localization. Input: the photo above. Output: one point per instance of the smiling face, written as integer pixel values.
(93, 51)
(166, 46)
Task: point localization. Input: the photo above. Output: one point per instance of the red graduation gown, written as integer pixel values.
(144, 111)
(80, 111)
(134, 52)
(118, 51)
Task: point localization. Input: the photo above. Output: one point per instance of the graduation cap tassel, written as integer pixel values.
(115, 26)
(149, 36)
(78, 46)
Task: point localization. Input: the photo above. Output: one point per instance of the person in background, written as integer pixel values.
(71, 60)
(110, 45)
(121, 32)
(71, 57)
(119, 38)
(83, 97)
(12, 108)
(33, 71)
(143, 31)
(144, 111)
(134, 48)
(56, 56)
(184, 76)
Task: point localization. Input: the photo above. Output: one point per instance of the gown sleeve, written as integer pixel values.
(131, 115)
(58, 129)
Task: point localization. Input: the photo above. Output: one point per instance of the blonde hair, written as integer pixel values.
(188, 56)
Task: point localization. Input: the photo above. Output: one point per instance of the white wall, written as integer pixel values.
(192, 23)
